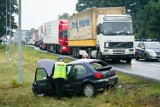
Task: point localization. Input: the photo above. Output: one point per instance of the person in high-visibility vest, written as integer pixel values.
(59, 76)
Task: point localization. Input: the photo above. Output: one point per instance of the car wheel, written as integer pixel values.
(146, 57)
(89, 90)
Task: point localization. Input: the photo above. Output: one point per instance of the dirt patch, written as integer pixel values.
(153, 99)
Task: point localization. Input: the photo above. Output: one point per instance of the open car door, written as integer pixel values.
(42, 83)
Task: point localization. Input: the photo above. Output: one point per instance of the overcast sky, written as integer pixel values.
(36, 12)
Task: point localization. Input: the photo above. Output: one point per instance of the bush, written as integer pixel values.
(2, 46)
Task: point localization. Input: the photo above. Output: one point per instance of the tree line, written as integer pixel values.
(5, 12)
(145, 14)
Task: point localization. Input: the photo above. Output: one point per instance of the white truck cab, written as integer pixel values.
(115, 37)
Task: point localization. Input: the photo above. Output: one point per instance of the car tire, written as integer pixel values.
(89, 90)
(146, 57)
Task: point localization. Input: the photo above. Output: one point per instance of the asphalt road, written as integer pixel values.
(149, 70)
(142, 68)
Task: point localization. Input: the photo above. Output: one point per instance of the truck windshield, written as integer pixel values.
(64, 34)
(117, 28)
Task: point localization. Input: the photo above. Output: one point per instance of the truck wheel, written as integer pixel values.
(77, 53)
(129, 60)
(116, 60)
(99, 55)
(60, 50)
(89, 53)
(89, 90)
(73, 53)
(48, 48)
(56, 49)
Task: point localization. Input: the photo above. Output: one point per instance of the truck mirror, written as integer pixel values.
(98, 29)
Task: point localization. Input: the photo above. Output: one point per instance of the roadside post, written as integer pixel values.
(19, 45)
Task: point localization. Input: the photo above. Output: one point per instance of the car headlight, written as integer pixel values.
(151, 53)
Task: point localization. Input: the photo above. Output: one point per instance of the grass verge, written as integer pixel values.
(131, 91)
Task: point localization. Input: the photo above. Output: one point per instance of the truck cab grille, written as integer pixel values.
(120, 44)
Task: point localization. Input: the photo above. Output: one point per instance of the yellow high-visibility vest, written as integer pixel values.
(60, 70)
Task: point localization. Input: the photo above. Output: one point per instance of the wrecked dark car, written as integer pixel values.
(83, 76)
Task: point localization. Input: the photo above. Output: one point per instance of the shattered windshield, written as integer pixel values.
(117, 28)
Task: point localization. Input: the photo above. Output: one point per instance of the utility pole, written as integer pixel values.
(19, 45)
(6, 24)
(10, 55)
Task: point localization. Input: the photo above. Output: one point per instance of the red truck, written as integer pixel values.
(56, 36)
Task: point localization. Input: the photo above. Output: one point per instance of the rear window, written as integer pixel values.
(100, 66)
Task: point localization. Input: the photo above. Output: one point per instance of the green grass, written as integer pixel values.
(131, 91)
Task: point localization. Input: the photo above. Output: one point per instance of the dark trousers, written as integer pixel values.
(59, 84)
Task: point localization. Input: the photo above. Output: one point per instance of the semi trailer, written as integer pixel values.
(102, 33)
(56, 36)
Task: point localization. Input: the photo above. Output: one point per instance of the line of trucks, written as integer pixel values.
(102, 33)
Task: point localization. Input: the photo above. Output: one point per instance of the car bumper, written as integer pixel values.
(106, 82)
(128, 56)
(154, 58)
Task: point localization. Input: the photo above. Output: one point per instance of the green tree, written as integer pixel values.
(132, 5)
(14, 9)
(145, 14)
(148, 21)
(63, 16)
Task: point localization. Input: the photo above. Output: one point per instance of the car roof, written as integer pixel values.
(78, 61)
(151, 42)
(136, 43)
